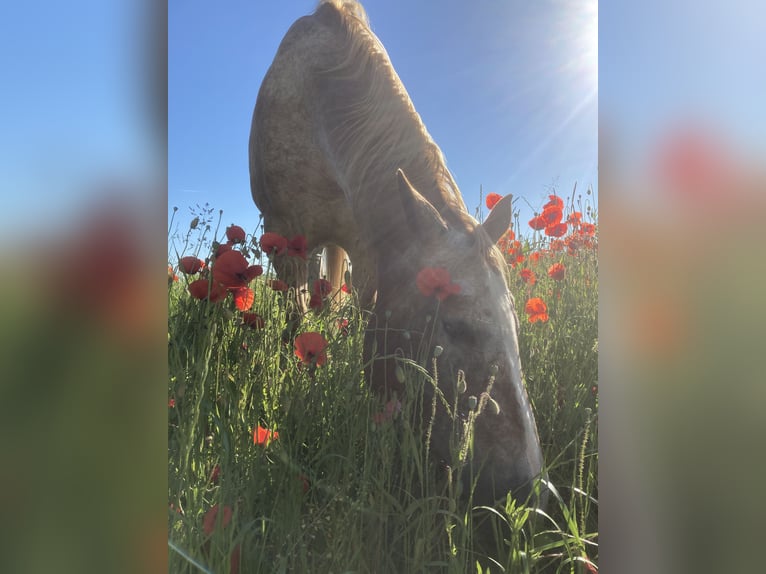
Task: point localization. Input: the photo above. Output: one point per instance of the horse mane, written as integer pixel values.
(371, 126)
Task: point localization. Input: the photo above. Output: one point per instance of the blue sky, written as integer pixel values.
(664, 64)
(72, 113)
(507, 89)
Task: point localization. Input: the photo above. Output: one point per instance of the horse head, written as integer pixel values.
(446, 286)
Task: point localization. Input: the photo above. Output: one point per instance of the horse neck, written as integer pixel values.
(369, 126)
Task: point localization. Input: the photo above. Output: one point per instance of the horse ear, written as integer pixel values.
(499, 219)
(420, 214)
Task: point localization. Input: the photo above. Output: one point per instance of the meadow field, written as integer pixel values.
(280, 459)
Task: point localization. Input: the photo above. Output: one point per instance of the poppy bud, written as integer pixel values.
(493, 370)
(461, 384)
(472, 402)
(194, 223)
(438, 350)
(399, 373)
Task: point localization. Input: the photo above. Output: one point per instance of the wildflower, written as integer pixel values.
(535, 257)
(315, 302)
(556, 230)
(322, 288)
(211, 517)
(310, 348)
(555, 201)
(575, 218)
(190, 265)
(345, 288)
(235, 234)
(304, 482)
(588, 229)
(557, 245)
(263, 436)
(231, 270)
(278, 285)
(171, 275)
(253, 320)
(552, 216)
(436, 281)
(557, 271)
(537, 223)
(222, 248)
(171, 403)
(536, 309)
(243, 298)
(492, 199)
(528, 276)
(506, 240)
(273, 243)
(342, 325)
(203, 289)
(297, 247)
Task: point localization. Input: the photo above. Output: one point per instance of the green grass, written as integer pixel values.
(336, 492)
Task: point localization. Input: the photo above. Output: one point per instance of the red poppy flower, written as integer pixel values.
(263, 437)
(199, 290)
(222, 248)
(310, 348)
(211, 517)
(171, 403)
(588, 229)
(171, 275)
(231, 270)
(316, 302)
(253, 320)
(304, 482)
(235, 234)
(537, 223)
(528, 276)
(537, 310)
(555, 201)
(574, 218)
(492, 199)
(552, 215)
(535, 257)
(345, 288)
(244, 297)
(273, 243)
(278, 285)
(556, 230)
(322, 288)
(190, 265)
(297, 247)
(342, 325)
(506, 240)
(557, 245)
(436, 281)
(557, 271)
